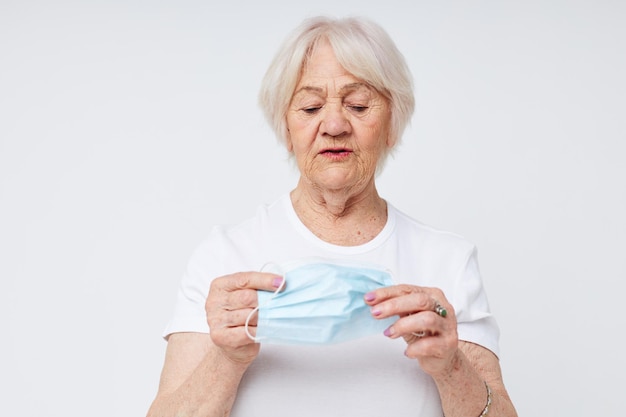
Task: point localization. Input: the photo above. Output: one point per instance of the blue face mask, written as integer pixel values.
(322, 303)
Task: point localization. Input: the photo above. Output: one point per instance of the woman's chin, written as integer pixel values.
(338, 180)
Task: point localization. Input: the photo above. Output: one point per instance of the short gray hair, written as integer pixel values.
(361, 46)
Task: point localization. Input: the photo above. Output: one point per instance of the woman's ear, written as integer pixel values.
(391, 141)
(391, 137)
(288, 143)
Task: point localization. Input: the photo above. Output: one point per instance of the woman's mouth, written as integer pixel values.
(336, 152)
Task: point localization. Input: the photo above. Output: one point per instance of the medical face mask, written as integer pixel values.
(321, 303)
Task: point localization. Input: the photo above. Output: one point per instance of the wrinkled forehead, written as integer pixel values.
(352, 89)
(321, 64)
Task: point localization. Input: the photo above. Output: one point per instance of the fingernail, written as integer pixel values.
(388, 332)
(376, 312)
(277, 282)
(369, 296)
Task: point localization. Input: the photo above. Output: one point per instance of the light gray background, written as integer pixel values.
(128, 128)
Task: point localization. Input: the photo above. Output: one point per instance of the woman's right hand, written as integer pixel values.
(230, 301)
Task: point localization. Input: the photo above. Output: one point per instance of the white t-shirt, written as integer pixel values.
(366, 377)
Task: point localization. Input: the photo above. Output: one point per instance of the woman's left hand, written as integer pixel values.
(427, 323)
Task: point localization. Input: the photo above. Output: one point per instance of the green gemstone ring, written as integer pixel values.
(440, 310)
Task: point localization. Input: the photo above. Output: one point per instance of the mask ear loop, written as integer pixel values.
(279, 289)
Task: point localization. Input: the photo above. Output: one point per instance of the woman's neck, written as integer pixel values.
(340, 217)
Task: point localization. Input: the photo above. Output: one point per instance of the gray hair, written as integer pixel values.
(361, 46)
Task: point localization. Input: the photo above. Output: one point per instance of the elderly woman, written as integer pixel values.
(330, 301)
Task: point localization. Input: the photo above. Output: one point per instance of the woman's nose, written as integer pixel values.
(334, 122)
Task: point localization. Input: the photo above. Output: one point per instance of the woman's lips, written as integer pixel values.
(336, 153)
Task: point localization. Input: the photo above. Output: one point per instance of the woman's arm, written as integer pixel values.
(462, 387)
(460, 369)
(202, 371)
(197, 379)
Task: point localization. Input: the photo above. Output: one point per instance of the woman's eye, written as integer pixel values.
(359, 109)
(311, 110)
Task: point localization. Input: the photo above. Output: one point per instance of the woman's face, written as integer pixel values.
(338, 125)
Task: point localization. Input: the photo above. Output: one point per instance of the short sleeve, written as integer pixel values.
(189, 314)
(476, 324)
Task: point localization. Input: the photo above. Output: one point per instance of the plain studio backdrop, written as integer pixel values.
(129, 128)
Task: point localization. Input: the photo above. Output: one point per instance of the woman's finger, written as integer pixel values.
(408, 300)
(248, 280)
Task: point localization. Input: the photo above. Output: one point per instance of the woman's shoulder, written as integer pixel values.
(410, 228)
(240, 243)
(266, 216)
